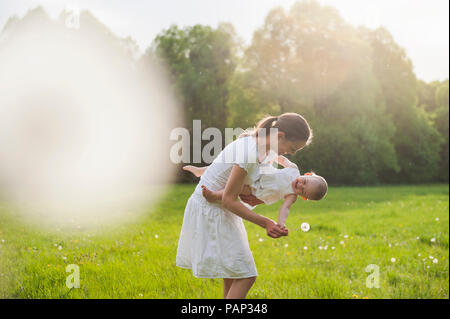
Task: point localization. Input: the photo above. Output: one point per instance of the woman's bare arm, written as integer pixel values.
(230, 202)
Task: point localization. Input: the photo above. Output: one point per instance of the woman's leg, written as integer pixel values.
(240, 287)
(226, 286)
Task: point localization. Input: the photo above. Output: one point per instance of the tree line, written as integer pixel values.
(373, 120)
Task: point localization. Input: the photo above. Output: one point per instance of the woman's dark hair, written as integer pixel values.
(294, 126)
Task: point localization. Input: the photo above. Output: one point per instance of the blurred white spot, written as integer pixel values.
(84, 128)
(305, 227)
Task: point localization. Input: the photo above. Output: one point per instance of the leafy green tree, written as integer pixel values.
(426, 94)
(201, 61)
(417, 142)
(308, 60)
(441, 118)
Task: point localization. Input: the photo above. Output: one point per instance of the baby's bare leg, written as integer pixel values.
(197, 171)
(217, 195)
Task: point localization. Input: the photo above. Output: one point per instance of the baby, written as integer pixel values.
(274, 185)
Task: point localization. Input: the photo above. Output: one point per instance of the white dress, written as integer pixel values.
(213, 241)
(275, 185)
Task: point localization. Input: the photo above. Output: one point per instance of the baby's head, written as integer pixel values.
(310, 186)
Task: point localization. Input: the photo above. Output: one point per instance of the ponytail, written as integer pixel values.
(294, 126)
(267, 123)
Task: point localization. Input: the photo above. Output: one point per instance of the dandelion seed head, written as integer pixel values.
(305, 227)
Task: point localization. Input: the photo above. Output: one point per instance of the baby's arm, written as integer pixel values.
(284, 209)
(283, 161)
(197, 171)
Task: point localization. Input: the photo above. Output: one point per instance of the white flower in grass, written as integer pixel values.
(305, 248)
(393, 259)
(342, 242)
(141, 295)
(431, 257)
(156, 236)
(419, 254)
(320, 247)
(346, 236)
(437, 219)
(418, 238)
(3, 241)
(435, 261)
(64, 258)
(326, 247)
(59, 247)
(390, 245)
(305, 227)
(286, 245)
(433, 240)
(260, 239)
(333, 247)
(428, 267)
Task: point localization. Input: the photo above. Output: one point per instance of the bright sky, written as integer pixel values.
(421, 27)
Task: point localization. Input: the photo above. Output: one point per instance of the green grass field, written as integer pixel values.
(350, 229)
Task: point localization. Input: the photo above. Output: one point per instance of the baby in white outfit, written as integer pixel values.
(274, 185)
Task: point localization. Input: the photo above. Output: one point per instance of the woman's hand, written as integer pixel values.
(274, 230)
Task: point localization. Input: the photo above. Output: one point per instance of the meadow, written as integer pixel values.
(403, 230)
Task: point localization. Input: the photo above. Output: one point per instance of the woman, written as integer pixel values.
(213, 240)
